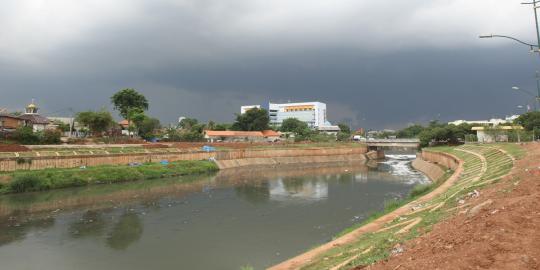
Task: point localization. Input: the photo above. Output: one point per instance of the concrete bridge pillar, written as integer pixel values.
(375, 153)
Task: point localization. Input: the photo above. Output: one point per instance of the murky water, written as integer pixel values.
(223, 221)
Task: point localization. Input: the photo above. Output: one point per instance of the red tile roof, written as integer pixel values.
(270, 133)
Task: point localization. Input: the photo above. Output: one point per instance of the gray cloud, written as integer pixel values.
(375, 64)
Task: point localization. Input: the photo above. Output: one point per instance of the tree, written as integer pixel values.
(344, 128)
(211, 125)
(253, 120)
(96, 122)
(530, 121)
(128, 102)
(410, 132)
(188, 123)
(292, 125)
(222, 126)
(147, 127)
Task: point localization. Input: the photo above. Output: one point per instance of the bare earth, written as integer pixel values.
(502, 235)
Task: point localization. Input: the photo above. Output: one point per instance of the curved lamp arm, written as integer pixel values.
(512, 38)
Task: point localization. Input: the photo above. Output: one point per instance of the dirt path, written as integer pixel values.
(500, 229)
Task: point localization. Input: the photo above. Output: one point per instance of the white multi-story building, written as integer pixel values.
(244, 109)
(490, 122)
(312, 113)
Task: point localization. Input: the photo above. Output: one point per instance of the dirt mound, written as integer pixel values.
(13, 148)
(501, 231)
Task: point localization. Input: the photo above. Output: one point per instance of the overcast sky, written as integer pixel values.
(377, 64)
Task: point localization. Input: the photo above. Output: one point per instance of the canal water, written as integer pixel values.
(224, 221)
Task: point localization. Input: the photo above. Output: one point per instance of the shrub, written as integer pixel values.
(26, 135)
(51, 137)
(28, 182)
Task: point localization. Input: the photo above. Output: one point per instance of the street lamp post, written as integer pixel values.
(534, 47)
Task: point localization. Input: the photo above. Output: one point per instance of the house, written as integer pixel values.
(10, 122)
(124, 126)
(241, 136)
(494, 134)
(32, 118)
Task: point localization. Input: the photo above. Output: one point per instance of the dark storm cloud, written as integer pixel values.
(375, 64)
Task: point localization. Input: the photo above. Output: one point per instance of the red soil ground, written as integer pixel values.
(502, 235)
(12, 148)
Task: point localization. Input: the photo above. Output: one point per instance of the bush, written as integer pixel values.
(51, 137)
(26, 135)
(28, 182)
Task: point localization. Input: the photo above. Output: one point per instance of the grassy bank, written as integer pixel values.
(379, 245)
(26, 181)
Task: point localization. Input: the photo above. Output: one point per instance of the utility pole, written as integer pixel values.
(534, 3)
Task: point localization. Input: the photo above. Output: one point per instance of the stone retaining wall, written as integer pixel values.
(440, 158)
(431, 170)
(39, 163)
(428, 163)
(279, 161)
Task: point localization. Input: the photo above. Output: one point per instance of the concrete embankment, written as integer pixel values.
(284, 161)
(433, 164)
(247, 156)
(431, 170)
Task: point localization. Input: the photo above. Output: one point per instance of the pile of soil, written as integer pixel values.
(504, 233)
(13, 148)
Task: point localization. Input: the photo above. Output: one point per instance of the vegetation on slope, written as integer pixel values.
(25, 181)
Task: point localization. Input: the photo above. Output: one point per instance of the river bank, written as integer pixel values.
(475, 166)
(495, 229)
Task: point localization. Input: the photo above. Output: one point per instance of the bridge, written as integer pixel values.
(376, 147)
(393, 143)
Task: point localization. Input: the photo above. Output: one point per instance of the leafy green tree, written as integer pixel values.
(147, 127)
(252, 120)
(410, 132)
(222, 126)
(128, 102)
(292, 125)
(529, 121)
(188, 123)
(96, 122)
(344, 128)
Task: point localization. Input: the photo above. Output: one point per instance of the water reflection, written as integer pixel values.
(297, 188)
(125, 232)
(255, 193)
